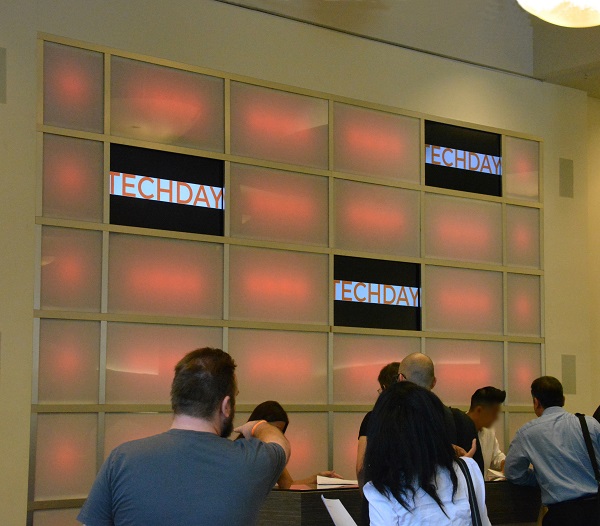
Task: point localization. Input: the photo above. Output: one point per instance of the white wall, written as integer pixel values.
(223, 37)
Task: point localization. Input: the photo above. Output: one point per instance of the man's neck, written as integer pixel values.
(477, 426)
(190, 423)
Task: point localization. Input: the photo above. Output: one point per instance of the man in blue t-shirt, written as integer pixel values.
(192, 474)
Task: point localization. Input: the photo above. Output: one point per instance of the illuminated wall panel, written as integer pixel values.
(166, 105)
(516, 421)
(524, 366)
(521, 170)
(376, 218)
(278, 206)
(290, 367)
(524, 306)
(370, 142)
(463, 366)
(278, 126)
(163, 276)
(462, 300)
(123, 427)
(66, 455)
(306, 433)
(463, 229)
(140, 359)
(73, 88)
(71, 269)
(276, 285)
(345, 442)
(69, 361)
(73, 178)
(66, 517)
(357, 360)
(522, 236)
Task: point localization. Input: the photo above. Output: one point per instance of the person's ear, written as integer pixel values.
(563, 402)
(226, 406)
(433, 382)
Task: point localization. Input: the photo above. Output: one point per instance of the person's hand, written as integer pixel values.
(330, 474)
(246, 429)
(502, 465)
(460, 452)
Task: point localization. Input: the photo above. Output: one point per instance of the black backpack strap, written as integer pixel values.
(475, 516)
(590, 448)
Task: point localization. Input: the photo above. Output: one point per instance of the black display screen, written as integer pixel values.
(376, 293)
(165, 190)
(464, 159)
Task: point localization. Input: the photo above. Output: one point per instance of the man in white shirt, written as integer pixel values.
(486, 404)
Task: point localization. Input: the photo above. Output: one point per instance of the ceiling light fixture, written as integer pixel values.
(567, 13)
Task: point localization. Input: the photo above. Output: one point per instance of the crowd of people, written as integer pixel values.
(419, 462)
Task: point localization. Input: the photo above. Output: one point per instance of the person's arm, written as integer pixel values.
(285, 480)
(266, 433)
(516, 466)
(498, 458)
(360, 459)
(308, 480)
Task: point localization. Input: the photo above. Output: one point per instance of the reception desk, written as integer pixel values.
(506, 504)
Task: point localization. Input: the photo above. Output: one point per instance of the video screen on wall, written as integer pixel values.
(464, 159)
(376, 293)
(165, 190)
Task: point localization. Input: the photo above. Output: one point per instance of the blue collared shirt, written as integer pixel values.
(554, 445)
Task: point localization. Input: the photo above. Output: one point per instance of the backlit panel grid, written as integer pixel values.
(270, 300)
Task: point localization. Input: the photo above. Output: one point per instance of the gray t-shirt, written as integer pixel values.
(183, 478)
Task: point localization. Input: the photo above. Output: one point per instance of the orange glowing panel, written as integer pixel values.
(278, 126)
(524, 366)
(65, 461)
(521, 168)
(68, 361)
(369, 142)
(462, 300)
(71, 269)
(463, 366)
(123, 427)
(357, 360)
(523, 236)
(140, 359)
(278, 206)
(463, 229)
(307, 434)
(345, 442)
(166, 105)
(66, 517)
(375, 218)
(276, 285)
(165, 277)
(73, 178)
(290, 367)
(524, 305)
(73, 88)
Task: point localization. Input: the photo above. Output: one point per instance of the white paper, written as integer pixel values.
(492, 474)
(331, 481)
(338, 513)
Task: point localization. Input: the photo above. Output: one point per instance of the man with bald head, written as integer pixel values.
(419, 369)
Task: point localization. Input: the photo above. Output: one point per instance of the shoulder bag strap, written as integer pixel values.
(589, 446)
(590, 449)
(475, 516)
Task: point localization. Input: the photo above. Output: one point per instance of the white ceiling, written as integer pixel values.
(492, 33)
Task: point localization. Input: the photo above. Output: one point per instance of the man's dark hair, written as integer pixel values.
(549, 391)
(408, 444)
(203, 378)
(487, 396)
(388, 375)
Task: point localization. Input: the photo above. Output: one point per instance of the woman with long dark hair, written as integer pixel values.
(276, 415)
(411, 469)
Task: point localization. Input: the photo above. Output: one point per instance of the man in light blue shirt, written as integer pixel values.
(554, 445)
